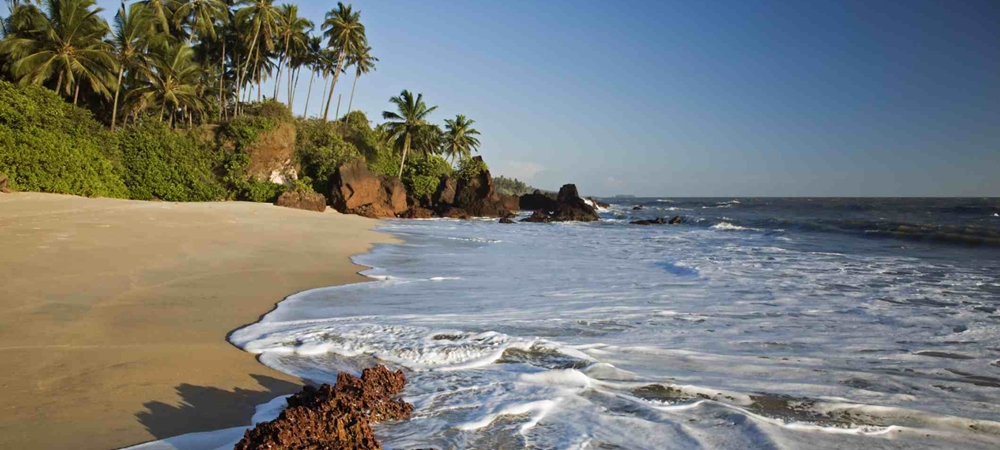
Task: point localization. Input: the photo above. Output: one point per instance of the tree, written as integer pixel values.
(407, 122)
(460, 138)
(68, 43)
(129, 41)
(260, 22)
(293, 31)
(363, 63)
(314, 61)
(346, 35)
(174, 80)
(201, 17)
(160, 14)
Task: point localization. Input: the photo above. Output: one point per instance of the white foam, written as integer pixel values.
(726, 226)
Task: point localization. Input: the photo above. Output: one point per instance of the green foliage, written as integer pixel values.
(48, 145)
(320, 149)
(422, 176)
(168, 165)
(246, 188)
(511, 186)
(470, 168)
(246, 130)
(270, 109)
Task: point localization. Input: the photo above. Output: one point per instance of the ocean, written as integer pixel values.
(756, 323)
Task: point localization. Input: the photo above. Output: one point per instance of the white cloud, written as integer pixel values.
(522, 170)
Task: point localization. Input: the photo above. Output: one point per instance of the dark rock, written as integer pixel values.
(506, 220)
(676, 220)
(598, 203)
(358, 191)
(334, 417)
(452, 212)
(417, 212)
(572, 208)
(309, 201)
(660, 221)
(478, 196)
(511, 203)
(3, 183)
(446, 191)
(537, 201)
(637, 208)
(539, 216)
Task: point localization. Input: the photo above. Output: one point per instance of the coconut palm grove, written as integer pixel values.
(167, 102)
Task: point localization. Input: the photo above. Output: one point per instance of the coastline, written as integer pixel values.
(110, 351)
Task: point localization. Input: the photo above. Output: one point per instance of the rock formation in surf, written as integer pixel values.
(334, 417)
(569, 207)
(358, 191)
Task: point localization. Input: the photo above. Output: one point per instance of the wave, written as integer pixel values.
(726, 226)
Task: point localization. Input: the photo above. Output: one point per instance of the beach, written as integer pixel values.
(116, 312)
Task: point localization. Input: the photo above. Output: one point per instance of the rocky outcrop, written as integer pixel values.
(3, 183)
(660, 221)
(417, 212)
(538, 201)
(478, 196)
(599, 204)
(506, 220)
(358, 191)
(309, 201)
(272, 155)
(569, 207)
(452, 212)
(511, 203)
(445, 194)
(637, 208)
(334, 417)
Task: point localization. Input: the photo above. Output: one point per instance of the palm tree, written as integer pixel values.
(346, 34)
(260, 21)
(404, 125)
(363, 63)
(68, 42)
(174, 81)
(132, 27)
(160, 13)
(202, 16)
(293, 31)
(460, 138)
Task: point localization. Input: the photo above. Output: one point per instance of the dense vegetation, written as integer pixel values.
(512, 186)
(160, 104)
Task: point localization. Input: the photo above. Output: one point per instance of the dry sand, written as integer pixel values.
(115, 313)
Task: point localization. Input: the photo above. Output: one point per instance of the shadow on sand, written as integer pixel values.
(206, 408)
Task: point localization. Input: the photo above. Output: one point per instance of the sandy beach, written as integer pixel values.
(115, 312)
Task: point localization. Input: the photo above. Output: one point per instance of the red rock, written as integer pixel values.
(358, 191)
(334, 417)
(417, 212)
(309, 201)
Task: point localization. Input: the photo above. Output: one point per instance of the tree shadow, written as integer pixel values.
(206, 408)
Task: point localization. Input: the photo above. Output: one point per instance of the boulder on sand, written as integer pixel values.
(334, 417)
(309, 201)
(452, 212)
(416, 212)
(358, 191)
(3, 183)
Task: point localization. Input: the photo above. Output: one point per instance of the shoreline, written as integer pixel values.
(119, 350)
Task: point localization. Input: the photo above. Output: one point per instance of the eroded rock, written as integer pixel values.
(3, 183)
(309, 201)
(358, 191)
(334, 417)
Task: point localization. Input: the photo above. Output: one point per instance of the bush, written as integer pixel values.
(244, 187)
(320, 150)
(48, 145)
(168, 165)
(511, 186)
(469, 168)
(422, 175)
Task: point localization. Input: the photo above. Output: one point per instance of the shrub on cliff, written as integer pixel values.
(469, 168)
(48, 145)
(320, 148)
(169, 165)
(422, 175)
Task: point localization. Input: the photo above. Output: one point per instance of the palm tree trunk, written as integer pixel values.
(333, 85)
(114, 111)
(76, 93)
(353, 86)
(336, 115)
(406, 148)
(281, 63)
(305, 112)
(163, 108)
(259, 87)
(59, 85)
(222, 82)
(239, 85)
(325, 85)
(246, 65)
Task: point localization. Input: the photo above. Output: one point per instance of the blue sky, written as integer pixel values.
(703, 98)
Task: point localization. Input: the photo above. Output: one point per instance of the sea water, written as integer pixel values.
(758, 323)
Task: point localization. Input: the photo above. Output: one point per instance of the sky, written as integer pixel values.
(706, 98)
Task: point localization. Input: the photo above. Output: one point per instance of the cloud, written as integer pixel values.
(613, 182)
(522, 170)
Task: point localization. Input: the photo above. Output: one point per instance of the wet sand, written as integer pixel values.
(115, 312)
